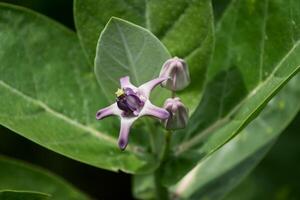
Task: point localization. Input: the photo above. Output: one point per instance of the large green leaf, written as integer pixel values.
(125, 49)
(22, 195)
(184, 26)
(277, 176)
(50, 95)
(223, 170)
(143, 186)
(19, 176)
(257, 52)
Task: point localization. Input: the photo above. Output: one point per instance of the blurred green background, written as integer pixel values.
(276, 177)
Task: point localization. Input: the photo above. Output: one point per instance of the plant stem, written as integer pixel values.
(168, 135)
(173, 94)
(162, 191)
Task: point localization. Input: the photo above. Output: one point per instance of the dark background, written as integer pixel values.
(277, 176)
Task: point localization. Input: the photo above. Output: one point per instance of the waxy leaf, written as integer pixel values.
(21, 177)
(50, 95)
(185, 27)
(277, 174)
(223, 170)
(125, 49)
(22, 195)
(143, 186)
(253, 60)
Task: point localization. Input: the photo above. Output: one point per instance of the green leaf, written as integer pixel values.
(19, 176)
(185, 27)
(143, 186)
(50, 95)
(22, 195)
(253, 60)
(277, 176)
(223, 170)
(125, 49)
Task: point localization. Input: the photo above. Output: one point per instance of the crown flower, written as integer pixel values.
(132, 103)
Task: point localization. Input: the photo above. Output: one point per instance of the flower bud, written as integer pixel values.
(178, 114)
(178, 71)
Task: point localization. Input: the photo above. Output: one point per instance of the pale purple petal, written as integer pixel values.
(125, 83)
(108, 111)
(124, 132)
(167, 68)
(152, 110)
(146, 88)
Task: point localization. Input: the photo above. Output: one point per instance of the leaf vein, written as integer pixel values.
(129, 55)
(63, 117)
(196, 139)
(170, 28)
(262, 44)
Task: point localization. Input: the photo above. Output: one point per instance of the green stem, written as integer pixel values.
(173, 94)
(162, 191)
(168, 135)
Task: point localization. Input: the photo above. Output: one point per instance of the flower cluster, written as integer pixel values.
(133, 102)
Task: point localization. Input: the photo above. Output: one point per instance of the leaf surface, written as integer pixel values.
(185, 27)
(257, 53)
(229, 165)
(277, 175)
(125, 49)
(50, 95)
(22, 195)
(21, 177)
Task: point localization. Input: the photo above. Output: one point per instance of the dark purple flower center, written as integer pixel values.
(130, 102)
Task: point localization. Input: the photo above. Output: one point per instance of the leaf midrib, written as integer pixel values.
(65, 118)
(163, 36)
(129, 56)
(181, 188)
(196, 139)
(262, 44)
(221, 121)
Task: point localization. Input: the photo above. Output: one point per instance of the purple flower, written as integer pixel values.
(132, 103)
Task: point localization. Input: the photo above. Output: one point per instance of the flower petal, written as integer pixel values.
(124, 132)
(125, 83)
(146, 88)
(108, 111)
(152, 110)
